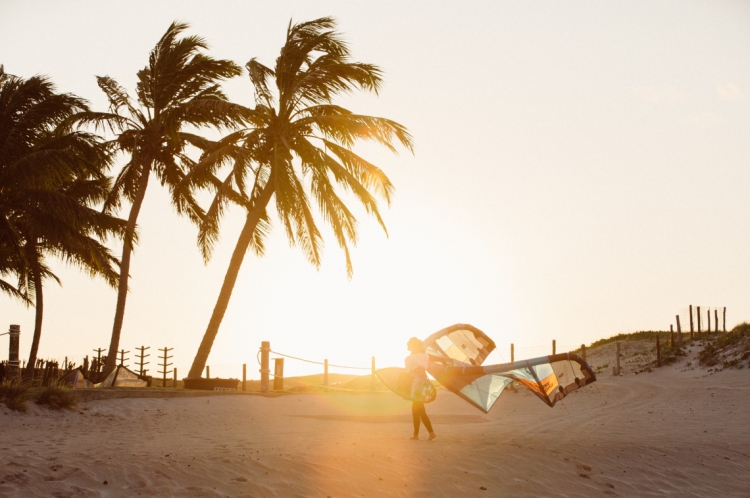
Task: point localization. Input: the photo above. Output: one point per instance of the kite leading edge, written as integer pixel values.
(463, 348)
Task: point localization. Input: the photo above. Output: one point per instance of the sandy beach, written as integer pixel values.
(676, 431)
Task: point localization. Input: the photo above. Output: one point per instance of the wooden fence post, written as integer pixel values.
(554, 346)
(691, 322)
(265, 349)
(325, 373)
(671, 336)
(583, 352)
(617, 345)
(278, 374)
(372, 379)
(244, 376)
(174, 378)
(512, 358)
(725, 319)
(679, 331)
(698, 315)
(13, 348)
(716, 320)
(658, 351)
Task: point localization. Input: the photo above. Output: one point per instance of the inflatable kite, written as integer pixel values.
(461, 349)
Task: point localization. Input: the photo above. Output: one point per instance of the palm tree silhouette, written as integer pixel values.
(50, 176)
(297, 140)
(177, 91)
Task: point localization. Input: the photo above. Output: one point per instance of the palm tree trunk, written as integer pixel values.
(122, 290)
(253, 217)
(39, 313)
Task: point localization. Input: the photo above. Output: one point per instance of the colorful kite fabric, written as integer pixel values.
(463, 348)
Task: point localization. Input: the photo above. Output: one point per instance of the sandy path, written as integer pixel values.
(670, 432)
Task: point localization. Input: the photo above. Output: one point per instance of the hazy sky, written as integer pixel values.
(581, 169)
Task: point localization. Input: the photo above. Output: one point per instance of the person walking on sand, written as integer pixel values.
(416, 364)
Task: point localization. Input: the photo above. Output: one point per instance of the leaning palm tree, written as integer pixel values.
(298, 141)
(177, 91)
(50, 177)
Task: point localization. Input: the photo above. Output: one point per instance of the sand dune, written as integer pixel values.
(676, 431)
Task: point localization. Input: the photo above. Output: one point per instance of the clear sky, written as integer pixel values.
(581, 169)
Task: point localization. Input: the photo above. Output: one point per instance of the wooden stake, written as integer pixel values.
(244, 376)
(617, 346)
(265, 349)
(583, 352)
(725, 319)
(174, 378)
(278, 374)
(691, 322)
(512, 359)
(679, 331)
(716, 320)
(671, 336)
(554, 346)
(658, 352)
(708, 321)
(698, 314)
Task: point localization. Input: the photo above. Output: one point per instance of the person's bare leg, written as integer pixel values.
(415, 416)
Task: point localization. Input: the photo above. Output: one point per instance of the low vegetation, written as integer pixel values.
(730, 350)
(57, 397)
(14, 393)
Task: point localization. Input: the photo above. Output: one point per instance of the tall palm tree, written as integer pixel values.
(298, 141)
(177, 91)
(50, 176)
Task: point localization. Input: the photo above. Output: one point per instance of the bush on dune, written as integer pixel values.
(57, 397)
(14, 394)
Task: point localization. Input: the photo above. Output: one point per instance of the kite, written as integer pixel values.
(461, 350)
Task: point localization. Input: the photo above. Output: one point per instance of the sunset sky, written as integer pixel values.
(581, 169)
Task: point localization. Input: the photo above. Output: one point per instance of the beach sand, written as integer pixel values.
(676, 431)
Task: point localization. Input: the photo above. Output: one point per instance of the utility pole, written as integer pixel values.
(140, 357)
(164, 358)
(122, 357)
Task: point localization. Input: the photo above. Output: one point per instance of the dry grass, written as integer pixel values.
(57, 397)
(14, 394)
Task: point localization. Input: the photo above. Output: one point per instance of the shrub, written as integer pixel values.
(14, 393)
(57, 397)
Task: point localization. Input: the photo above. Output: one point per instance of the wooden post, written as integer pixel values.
(278, 374)
(617, 346)
(164, 365)
(716, 320)
(658, 352)
(583, 352)
(691, 322)
(725, 319)
(554, 346)
(372, 379)
(65, 365)
(265, 350)
(512, 359)
(671, 336)
(325, 373)
(244, 376)
(174, 378)
(679, 331)
(13, 348)
(698, 315)
(141, 357)
(708, 320)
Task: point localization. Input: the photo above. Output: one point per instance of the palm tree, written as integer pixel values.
(297, 141)
(50, 176)
(176, 91)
